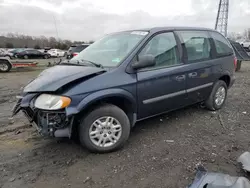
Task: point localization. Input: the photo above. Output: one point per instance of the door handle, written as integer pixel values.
(180, 78)
(192, 74)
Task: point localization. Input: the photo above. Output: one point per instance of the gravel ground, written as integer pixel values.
(161, 152)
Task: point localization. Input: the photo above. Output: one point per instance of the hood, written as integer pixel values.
(54, 78)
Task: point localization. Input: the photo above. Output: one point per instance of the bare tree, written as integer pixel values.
(21, 41)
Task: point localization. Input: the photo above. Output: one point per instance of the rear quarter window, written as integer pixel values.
(222, 45)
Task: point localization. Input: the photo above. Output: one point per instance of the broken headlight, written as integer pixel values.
(52, 102)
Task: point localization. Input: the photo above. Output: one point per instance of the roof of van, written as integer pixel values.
(156, 29)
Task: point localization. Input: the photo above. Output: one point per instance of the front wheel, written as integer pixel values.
(218, 96)
(104, 129)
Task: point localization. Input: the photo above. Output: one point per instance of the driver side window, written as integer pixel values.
(164, 48)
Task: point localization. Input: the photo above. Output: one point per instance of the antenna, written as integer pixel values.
(222, 17)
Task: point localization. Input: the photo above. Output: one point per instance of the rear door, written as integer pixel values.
(162, 87)
(33, 54)
(200, 65)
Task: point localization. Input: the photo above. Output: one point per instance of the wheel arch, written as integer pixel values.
(226, 78)
(119, 97)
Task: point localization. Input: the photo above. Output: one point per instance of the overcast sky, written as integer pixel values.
(89, 19)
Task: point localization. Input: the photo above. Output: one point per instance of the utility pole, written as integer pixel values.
(222, 17)
(56, 27)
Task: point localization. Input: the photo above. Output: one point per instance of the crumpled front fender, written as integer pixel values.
(92, 98)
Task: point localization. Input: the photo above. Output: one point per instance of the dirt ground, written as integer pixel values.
(161, 152)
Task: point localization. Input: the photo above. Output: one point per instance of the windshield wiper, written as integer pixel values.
(67, 62)
(95, 64)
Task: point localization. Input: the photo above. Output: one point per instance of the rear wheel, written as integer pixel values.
(46, 57)
(5, 66)
(218, 96)
(104, 129)
(26, 57)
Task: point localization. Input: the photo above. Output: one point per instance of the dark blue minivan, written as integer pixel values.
(126, 77)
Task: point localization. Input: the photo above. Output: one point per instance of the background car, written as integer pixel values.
(32, 54)
(57, 53)
(74, 50)
(15, 51)
(246, 44)
(5, 53)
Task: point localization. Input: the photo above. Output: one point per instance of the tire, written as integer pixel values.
(104, 111)
(46, 57)
(26, 57)
(5, 66)
(211, 103)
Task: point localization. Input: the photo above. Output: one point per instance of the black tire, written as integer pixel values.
(102, 111)
(210, 102)
(6, 65)
(26, 57)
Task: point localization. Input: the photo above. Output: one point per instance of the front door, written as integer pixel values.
(162, 87)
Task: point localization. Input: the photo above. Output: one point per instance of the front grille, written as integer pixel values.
(55, 119)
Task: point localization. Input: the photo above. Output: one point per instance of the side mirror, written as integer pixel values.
(144, 61)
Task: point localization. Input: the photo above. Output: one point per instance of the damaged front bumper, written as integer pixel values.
(47, 123)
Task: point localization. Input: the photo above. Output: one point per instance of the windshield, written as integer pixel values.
(111, 49)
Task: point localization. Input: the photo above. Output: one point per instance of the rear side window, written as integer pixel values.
(221, 44)
(197, 45)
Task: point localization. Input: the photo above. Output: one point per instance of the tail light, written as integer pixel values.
(235, 62)
(75, 54)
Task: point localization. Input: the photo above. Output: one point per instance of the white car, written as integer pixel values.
(56, 53)
(6, 53)
(246, 44)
